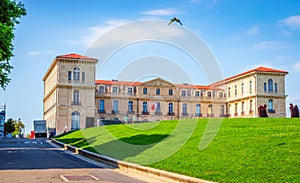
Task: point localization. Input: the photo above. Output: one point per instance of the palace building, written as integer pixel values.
(74, 99)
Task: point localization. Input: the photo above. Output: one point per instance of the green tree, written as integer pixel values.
(18, 125)
(10, 11)
(10, 125)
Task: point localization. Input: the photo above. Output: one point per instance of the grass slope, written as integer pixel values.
(244, 150)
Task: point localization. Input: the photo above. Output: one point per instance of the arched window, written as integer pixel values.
(76, 74)
(270, 85)
(101, 106)
(76, 97)
(130, 106)
(198, 109)
(270, 104)
(145, 107)
(184, 109)
(157, 109)
(75, 123)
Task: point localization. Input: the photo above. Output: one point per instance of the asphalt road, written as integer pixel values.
(35, 160)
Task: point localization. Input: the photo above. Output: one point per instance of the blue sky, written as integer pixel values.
(241, 34)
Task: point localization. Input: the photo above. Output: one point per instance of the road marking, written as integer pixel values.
(67, 178)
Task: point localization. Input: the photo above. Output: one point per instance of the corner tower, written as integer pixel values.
(69, 93)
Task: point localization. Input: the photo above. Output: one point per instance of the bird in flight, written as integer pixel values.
(175, 20)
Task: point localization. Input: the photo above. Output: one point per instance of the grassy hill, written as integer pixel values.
(228, 150)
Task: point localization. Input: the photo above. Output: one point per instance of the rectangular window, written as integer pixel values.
(101, 107)
(265, 87)
(222, 110)
(70, 75)
(208, 94)
(83, 77)
(242, 88)
(188, 92)
(170, 92)
(243, 106)
(235, 90)
(145, 91)
(275, 87)
(145, 108)
(215, 93)
(157, 91)
(129, 91)
(183, 93)
(170, 109)
(250, 86)
(197, 93)
(221, 95)
(236, 109)
(184, 109)
(115, 89)
(202, 93)
(157, 108)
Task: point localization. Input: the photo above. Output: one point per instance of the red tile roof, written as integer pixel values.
(76, 56)
(200, 87)
(111, 82)
(129, 83)
(259, 69)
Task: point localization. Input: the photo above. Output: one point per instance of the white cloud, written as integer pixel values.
(291, 21)
(254, 30)
(115, 32)
(296, 67)
(91, 34)
(270, 45)
(160, 12)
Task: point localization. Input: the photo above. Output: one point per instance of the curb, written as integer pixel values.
(131, 167)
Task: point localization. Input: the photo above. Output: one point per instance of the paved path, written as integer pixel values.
(35, 160)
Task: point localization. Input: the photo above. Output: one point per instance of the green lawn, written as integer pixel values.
(243, 150)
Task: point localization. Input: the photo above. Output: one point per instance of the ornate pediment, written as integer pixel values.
(157, 82)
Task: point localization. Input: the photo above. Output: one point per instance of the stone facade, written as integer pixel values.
(69, 93)
(73, 99)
